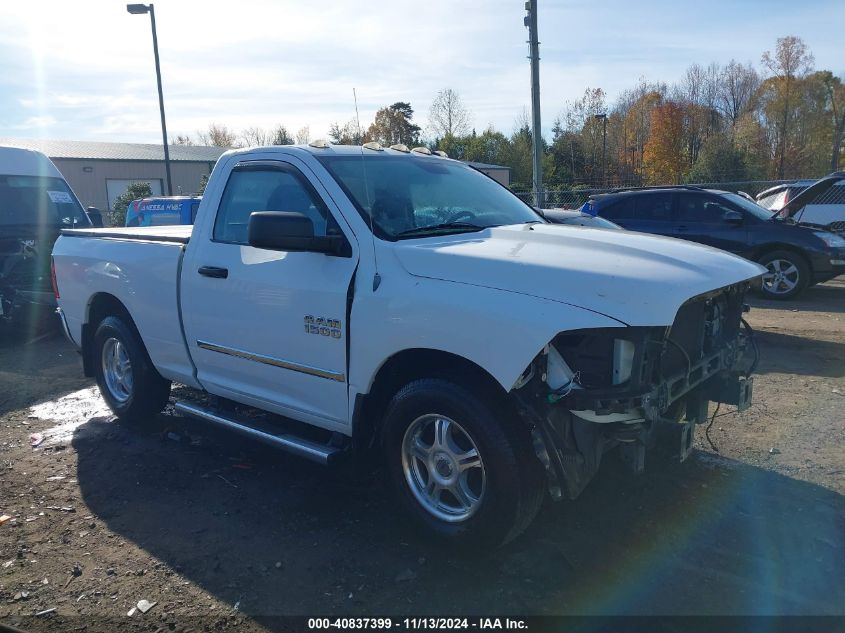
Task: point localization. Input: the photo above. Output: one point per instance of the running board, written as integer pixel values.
(320, 453)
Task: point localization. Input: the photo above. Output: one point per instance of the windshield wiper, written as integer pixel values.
(443, 226)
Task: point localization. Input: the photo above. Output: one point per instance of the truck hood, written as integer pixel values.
(635, 278)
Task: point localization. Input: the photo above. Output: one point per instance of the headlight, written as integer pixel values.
(831, 239)
(623, 360)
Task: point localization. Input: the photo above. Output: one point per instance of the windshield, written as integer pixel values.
(410, 196)
(37, 201)
(753, 208)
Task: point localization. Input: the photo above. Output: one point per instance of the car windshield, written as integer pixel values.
(38, 201)
(751, 207)
(415, 196)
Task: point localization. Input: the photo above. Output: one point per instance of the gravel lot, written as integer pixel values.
(222, 534)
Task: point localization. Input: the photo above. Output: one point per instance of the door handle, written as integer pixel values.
(213, 271)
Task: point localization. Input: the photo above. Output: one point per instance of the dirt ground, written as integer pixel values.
(223, 534)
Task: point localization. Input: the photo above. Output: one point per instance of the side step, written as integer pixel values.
(320, 453)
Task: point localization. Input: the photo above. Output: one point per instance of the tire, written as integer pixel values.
(788, 275)
(501, 492)
(128, 382)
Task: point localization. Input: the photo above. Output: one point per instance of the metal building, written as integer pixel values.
(99, 172)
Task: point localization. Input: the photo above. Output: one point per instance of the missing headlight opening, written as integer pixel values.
(594, 390)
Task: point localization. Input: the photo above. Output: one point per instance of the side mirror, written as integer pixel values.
(96, 217)
(291, 231)
(733, 218)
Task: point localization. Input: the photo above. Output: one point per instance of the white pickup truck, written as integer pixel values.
(398, 300)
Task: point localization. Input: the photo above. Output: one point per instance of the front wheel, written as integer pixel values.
(128, 382)
(787, 274)
(460, 470)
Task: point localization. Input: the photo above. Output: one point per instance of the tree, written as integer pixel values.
(134, 191)
(203, 184)
(218, 135)
(255, 137)
(303, 136)
(280, 136)
(790, 62)
(182, 139)
(719, 161)
(393, 125)
(737, 85)
(448, 116)
(664, 159)
(346, 134)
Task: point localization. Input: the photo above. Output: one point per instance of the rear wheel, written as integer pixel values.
(787, 274)
(462, 471)
(128, 382)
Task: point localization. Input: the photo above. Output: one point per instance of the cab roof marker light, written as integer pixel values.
(422, 150)
(320, 143)
(399, 147)
(373, 145)
(440, 152)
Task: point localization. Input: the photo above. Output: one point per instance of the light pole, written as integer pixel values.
(603, 118)
(139, 9)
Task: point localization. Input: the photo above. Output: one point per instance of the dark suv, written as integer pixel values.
(796, 256)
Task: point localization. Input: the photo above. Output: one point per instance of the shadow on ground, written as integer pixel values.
(826, 297)
(801, 355)
(708, 536)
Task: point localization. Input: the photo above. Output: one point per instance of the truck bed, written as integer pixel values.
(177, 233)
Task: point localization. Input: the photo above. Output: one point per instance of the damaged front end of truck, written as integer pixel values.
(635, 388)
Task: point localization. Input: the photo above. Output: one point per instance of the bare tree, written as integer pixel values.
(255, 136)
(303, 135)
(182, 139)
(737, 85)
(448, 116)
(218, 135)
(790, 62)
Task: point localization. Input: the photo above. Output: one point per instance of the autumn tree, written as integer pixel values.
(303, 135)
(790, 63)
(664, 158)
(393, 124)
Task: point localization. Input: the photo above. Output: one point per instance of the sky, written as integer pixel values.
(84, 70)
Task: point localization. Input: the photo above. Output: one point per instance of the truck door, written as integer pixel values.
(268, 328)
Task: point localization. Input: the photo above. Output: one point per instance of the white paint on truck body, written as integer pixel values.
(495, 297)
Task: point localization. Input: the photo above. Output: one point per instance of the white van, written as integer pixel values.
(35, 205)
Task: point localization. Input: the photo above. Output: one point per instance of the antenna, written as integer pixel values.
(376, 277)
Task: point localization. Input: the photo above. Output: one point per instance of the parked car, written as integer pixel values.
(163, 211)
(577, 218)
(795, 255)
(399, 300)
(819, 203)
(35, 204)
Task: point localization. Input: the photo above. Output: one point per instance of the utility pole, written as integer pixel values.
(530, 21)
(603, 118)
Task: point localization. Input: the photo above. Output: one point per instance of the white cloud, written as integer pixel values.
(85, 70)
